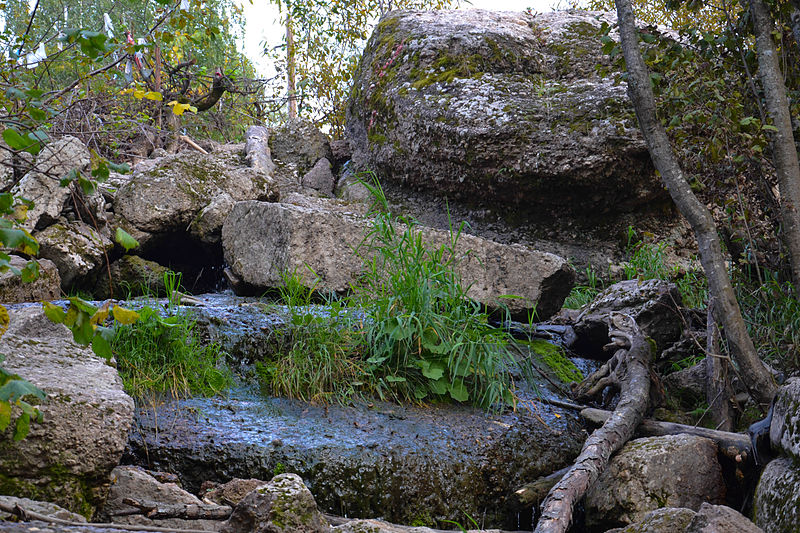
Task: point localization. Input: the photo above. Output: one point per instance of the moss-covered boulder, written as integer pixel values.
(66, 459)
(775, 502)
(501, 109)
(167, 196)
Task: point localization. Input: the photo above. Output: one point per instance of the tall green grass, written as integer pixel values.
(161, 355)
(406, 332)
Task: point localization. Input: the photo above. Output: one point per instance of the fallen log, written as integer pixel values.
(532, 493)
(736, 446)
(628, 371)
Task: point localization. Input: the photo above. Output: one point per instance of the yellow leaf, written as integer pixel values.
(20, 212)
(4, 320)
(124, 316)
(153, 95)
(101, 314)
(138, 93)
(178, 108)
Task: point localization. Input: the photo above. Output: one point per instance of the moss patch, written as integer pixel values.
(556, 360)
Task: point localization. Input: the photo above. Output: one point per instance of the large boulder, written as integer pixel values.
(506, 110)
(262, 241)
(168, 195)
(653, 472)
(42, 184)
(778, 491)
(708, 519)
(300, 145)
(653, 303)
(784, 430)
(67, 458)
(284, 505)
(76, 248)
(46, 287)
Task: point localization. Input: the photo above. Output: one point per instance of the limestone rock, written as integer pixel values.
(299, 144)
(67, 458)
(207, 227)
(261, 241)
(653, 303)
(77, 249)
(134, 482)
(284, 505)
(664, 520)
(257, 149)
(320, 178)
(46, 287)
(232, 492)
(784, 431)
(653, 472)
(350, 188)
(168, 197)
(501, 109)
(132, 276)
(688, 384)
(341, 152)
(45, 508)
(776, 497)
(41, 185)
(721, 519)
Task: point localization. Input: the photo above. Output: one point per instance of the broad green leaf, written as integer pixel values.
(14, 140)
(458, 391)
(82, 331)
(22, 427)
(101, 347)
(125, 239)
(82, 305)
(434, 371)
(30, 272)
(124, 316)
(420, 394)
(395, 379)
(13, 92)
(5, 415)
(439, 386)
(122, 168)
(54, 312)
(17, 388)
(19, 239)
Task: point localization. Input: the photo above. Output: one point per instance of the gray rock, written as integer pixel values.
(653, 303)
(378, 526)
(76, 249)
(131, 276)
(261, 241)
(257, 150)
(722, 519)
(350, 188)
(136, 483)
(688, 384)
(284, 505)
(784, 431)
(207, 227)
(44, 508)
(502, 109)
(320, 178)
(46, 287)
(653, 472)
(232, 492)
(41, 185)
(341, 152)
(68, 457)
(299, 144)
(664, 520)
(169, 197)
(776, 496)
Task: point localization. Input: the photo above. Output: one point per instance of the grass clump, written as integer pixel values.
(406, 332)
(160, 354)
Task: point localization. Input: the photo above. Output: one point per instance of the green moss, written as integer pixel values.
(555, 359)
(446, 68)
(62, 487)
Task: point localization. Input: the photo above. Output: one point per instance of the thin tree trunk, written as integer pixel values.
(291, 89)
(630, 371)
(718, 384)
(784, 151)
(727, 312)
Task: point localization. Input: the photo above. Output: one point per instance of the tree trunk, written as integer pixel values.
(718, 384)
(291, 89)
(727, 312)
(629, 370)
(784, 151)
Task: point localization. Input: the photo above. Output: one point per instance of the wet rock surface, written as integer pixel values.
(402, 464)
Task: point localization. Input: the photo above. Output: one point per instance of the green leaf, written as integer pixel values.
(5, 415)
(458, 391)
(82, 305)
(123, 168)
(434, 370)
(54, 312)
(22, 427)
(14, 140)
(769, 127)
(439, 387)
(395, 379)
(125, 239)
(16, 388)
(101, 347)
(30, 272)
(13, 92)
(19, 240)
